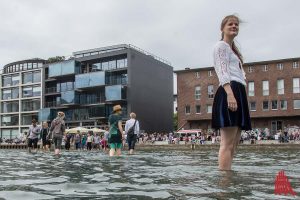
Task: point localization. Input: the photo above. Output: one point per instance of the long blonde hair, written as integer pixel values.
(234, 47)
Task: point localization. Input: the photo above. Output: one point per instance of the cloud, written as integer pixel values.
(182, 32)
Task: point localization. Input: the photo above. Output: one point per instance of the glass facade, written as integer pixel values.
(110, 64)
(9, 133)
(31, 91)
(12, 93)
(32, 77)
(31, 105)
(115, 92)
(10, 120)
(46, 114)
(68, 97)
(8, 107)
(22, 67)
(27, 118)
(63, 68)
(116, 79)
(90, 79)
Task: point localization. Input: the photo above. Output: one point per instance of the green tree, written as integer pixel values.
(56, 59)
(175, 121)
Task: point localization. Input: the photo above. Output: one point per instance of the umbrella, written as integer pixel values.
(81, 129)
(97, 130)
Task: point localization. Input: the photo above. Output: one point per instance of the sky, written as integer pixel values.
(182, 32)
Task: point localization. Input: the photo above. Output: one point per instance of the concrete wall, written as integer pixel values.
(150, 92)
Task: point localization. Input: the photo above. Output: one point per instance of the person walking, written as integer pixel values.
(132, 129)
(44, 133)
(230, 113)
(68, 138)
(57, 130)
(77, 140)
(116, 131)
(34, 132)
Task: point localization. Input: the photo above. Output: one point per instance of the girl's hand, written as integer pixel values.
(232, 104)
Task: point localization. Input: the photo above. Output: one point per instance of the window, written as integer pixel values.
(265, 105)
(210, 73)
(252, 106)
(187, 110)
(27, 78)
(6, 94)
(283, 104)
(295, 65)
(279, 66)
(296, 85)
(15, 80)
(251, 88)
(12, 106)
(274, 105)
(265, 68)
(250, 69)
(197, 74)
(6, 81)
(209, 109)
(10, 120)
(265, 88)
(296, 104)
(36, 77)
(210, 90)
(280, 86)
(112, 64)
(31, 105)
(197, 92)
(198, 109)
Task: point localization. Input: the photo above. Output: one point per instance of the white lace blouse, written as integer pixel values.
(227, 64)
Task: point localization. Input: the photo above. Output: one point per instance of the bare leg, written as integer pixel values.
(119, 152)
(57, 151)
(111, 152)
(237, 141)
(131, 151)
(228, 140)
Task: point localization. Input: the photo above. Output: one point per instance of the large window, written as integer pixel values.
(280, 86)
(251, 88)
(295, 65)
(296, 104)
(283, 104)
(252, 106)
(187, 109)
(90, 79)
(68, 97)
(27, 118)
(197, 92)
(274, 105)
(12, 93)
(31, 91)
(31, 105)
(63, 68)
(32, 77)
(115, 92)
(265, 105)
(265, 88)
(6, 81)
(198, 109)
(265, 68)
(8, 107)
(296, 85)
(10, 120)
(210, 90)
(209, 108)
(9, 133)
(279, 66)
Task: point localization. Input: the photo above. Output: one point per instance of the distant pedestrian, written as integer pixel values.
(34, 132)
(57, 130)
(116, 131)
(132, 129)
(44, 133)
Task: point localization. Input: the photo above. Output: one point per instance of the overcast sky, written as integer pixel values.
(183, 32)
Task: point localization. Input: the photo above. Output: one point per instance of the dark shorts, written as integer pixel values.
(32, 142)
(131, 142)
(223, 117)
(57, 142)
(46, 142)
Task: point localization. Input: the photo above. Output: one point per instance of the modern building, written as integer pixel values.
(20, 96)
(273, 89)
(87, 86)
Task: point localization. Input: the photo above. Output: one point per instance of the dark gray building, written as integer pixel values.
(89, 84)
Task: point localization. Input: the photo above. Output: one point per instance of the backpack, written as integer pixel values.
(130, 132)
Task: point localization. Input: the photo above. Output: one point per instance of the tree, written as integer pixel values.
(56, 59)
(175, 121)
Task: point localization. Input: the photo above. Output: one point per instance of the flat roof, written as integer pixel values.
(247, 64)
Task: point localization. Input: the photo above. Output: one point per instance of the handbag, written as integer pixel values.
(130, 132)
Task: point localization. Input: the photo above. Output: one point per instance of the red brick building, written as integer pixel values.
(273, 89)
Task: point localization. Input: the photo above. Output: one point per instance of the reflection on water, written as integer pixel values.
(155, 174)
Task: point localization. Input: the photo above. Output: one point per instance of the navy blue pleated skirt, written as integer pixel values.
(223, 117)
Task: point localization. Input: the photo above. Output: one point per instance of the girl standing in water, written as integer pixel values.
(230, 108)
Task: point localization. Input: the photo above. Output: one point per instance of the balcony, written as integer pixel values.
(115, 93)
(68, 67)
(51, 91)
(89, 80)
